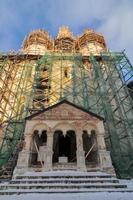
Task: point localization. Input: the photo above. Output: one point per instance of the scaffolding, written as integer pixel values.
(98, 83)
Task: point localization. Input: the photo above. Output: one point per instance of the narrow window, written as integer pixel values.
(66, 72)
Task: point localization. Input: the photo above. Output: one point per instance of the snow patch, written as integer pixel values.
(81, 196)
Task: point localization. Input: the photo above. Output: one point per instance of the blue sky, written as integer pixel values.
(113, 18)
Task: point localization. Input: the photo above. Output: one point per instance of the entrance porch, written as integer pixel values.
(66, 138)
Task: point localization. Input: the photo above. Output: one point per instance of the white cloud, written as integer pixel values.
(118, 29)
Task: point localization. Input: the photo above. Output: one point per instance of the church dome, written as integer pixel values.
(37, 41)
(91, 42)
(64, 40)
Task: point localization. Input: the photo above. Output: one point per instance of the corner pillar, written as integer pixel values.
(24, 157)
(104, 155)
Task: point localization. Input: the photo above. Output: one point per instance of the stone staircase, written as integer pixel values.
(63, 182)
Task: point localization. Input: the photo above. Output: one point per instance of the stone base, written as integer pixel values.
(19, 171)
(22, 164)
(105, 162)
(81, 161)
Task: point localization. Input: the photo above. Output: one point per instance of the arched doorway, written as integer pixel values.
(64, 146)
(90, 148)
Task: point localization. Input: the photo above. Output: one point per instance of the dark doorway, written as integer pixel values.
(43, 138)
(73, 147)
(56, 136)
(64, 146)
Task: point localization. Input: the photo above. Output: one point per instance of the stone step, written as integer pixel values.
(62, 182)
(62, 186)
(63, 176)
(70, 180)
(75, 190)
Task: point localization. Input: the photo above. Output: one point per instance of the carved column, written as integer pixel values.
(80, 152)
(48, 163)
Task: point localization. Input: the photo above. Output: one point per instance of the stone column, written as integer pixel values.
(24, 156)
(80, 152)
(104, 155)
(49, 156)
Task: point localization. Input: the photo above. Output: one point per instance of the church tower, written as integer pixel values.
(66, 104)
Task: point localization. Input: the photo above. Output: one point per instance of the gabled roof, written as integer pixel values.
(62, 102)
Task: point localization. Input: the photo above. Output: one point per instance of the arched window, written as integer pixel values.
(66, 72)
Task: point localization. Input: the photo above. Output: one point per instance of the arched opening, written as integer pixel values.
(57, 135)
(72, 146)
(90, 148)
(64, 146)
(43, 138)
(38, 148)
